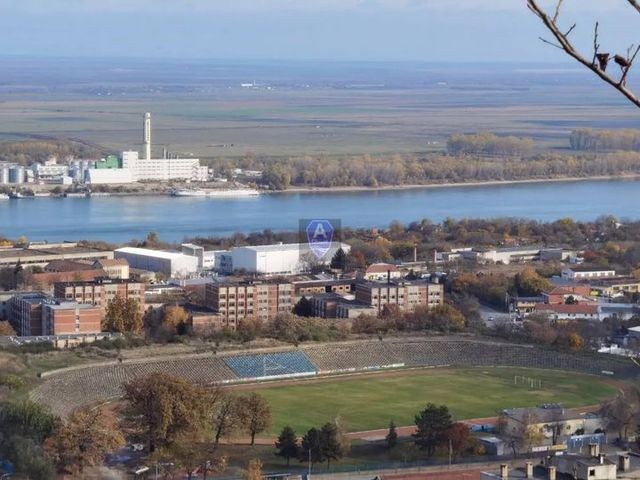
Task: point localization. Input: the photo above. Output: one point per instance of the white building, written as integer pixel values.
(170, 263)
(279, 259)
(163, 168)
(49, 170)
(586, 273)
(105, 176)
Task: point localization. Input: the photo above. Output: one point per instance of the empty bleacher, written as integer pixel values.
(270, 365)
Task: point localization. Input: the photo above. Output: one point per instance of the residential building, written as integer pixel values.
(236, 301)
(405, 295)
(169, 263)
(575, 273)
(585, 467)
(319, 286)
(564, 312)
(66, 318)
(577, 293)
(100, 292)
(36, 314)
(25, 313)
(611, 287)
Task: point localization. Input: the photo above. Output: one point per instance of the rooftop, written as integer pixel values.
(147, 252)
(381, 268)
(590, 269)
(113, 262)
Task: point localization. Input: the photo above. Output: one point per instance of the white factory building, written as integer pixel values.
(136, 169)
(172, 264)
(279, 259)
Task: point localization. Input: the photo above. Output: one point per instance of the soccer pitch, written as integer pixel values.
(371, 401)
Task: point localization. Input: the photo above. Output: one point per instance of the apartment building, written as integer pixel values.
(35, 314)
(406, 295)
(236, 301)
(99, 292)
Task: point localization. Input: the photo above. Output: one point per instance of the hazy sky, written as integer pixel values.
(438, 30)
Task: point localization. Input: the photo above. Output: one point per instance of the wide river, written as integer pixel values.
(120, 219)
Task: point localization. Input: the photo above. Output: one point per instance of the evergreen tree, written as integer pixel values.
(287, 444)
(330, 445)
(312, 447)
(392, 436)
(339, 260)
(304, 308)
(433, 424)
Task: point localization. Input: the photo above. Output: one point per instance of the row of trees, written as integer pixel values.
(604, 140)
(325, 444)
(371, 171)
(488, 144)
(30, 151)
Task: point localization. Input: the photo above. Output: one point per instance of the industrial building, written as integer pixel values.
(279, 259)
(130, 167)
(42, 254)
(172, 264)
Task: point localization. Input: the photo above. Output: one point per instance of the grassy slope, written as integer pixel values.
(370, 402)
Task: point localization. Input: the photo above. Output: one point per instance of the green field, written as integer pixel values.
(371, 401)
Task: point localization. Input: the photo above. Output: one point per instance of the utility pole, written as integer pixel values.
(450, 452)
(309, 474)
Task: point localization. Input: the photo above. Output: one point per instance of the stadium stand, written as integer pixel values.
(269, 365)
(66, 389)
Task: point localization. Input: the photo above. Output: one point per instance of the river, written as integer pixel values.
(120, 219)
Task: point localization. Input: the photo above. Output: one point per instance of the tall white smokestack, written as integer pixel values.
(147, 135)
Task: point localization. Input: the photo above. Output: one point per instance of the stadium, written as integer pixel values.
(65, 389)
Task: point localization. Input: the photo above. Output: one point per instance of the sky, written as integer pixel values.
(351, 30)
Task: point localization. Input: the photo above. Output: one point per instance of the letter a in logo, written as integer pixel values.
(319, 237)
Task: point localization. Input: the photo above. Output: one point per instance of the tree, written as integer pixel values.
(24, 427)
(173, 318)
(312, 447)
(256, 414)
(6, 329)
(460, 438)
(432, 426)
(530, 283)
(166, 408)
(339, 260)
(226, 417)
(600, 60)
(84, 440)
(392, 436)
(123, 316)
(254, 470)
(287, 444)
(443, 317)
(304, 307)
(621, 412)
(576, 341)
(330, 445)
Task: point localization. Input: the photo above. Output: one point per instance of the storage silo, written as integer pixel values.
(16, 174)
(4, 175)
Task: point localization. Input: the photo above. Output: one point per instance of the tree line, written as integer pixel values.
(591, 140)
(488, 144)
(30, 151)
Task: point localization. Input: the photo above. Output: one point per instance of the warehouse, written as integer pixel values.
(279, 259)
(172, 264)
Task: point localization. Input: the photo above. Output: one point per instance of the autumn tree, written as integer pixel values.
(460, 438)
(227, 417)
(123, 316)
(84, 440)
(622, 412)
(530, 283)
(432, 427)
(255, 414)
(287, 444)
(391, 438)
(165, 408)
(6, 329)
(173, 318)
(254, 470)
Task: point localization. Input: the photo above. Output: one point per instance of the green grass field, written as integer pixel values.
(370, 401)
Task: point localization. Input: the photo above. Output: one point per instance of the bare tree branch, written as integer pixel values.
(599, 62)
(635, 4)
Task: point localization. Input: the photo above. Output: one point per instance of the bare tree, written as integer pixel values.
(599, 60)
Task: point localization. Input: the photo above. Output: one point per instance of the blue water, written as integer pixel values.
(120, 219)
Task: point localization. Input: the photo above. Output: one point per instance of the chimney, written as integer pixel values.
(529, 469)
(624, 463)
(147, 135)
(601, 458)
(504, 471)
(594, 449)
(415, 254)
(552, 472)
(388, 277)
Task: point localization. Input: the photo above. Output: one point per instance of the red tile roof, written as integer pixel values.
(381, 268)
